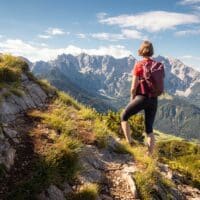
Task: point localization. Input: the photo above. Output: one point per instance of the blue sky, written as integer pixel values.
(42, 29)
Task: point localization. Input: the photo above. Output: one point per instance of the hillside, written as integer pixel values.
(53, 147)
(103, 82)
(176, 116)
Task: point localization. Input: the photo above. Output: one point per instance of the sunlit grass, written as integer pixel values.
(87, 114)
(148, 177)
(101, 133)
(45, 85)
(165, 137)
(68, 100)
(182, 156)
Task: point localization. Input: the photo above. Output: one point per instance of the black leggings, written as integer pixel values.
(140, 102)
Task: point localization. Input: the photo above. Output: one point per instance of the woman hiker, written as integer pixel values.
(147, 84)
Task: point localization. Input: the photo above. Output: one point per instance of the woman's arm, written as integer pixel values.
(134, 85)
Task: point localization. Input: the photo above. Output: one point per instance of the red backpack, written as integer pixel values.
(152, 81)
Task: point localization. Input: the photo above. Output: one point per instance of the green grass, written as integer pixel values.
(87, 113)
(44, 84)
(165, 137)
(182, 156)
(60, 163)
(11, 68)
(64, 126)
(68, 100)
(13, 62)
(101, 133)
(148, 178)
(63, 158)
(113, 122)
(87, 192)
(148, 181)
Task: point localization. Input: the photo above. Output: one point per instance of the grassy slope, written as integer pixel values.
(58, 156)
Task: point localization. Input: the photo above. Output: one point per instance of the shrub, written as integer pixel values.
(10, 61)
(176, 148)
(182, 156)
(68, 100)
(88, 113)
(113, 122)
(101, 133)
(9, 75)
(63, 158)
(44, 84)
(149, 180)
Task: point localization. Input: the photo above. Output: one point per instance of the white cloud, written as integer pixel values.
(101, 15)
(107, 36)
(44, 36)
(195, 4)
(50, 32)
(132, 34)
(125, 34)
(56, 31)
(189, 2)
(151, 21)
(34, 52)
(81, 35)
(188, 32)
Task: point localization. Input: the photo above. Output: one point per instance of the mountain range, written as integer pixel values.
(103, 82)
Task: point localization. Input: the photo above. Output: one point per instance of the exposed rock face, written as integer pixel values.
(52, 193)
(186, 191)
(7, 152)
(13, 105)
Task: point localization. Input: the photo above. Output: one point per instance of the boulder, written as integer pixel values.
(7, 153)
(52, 193)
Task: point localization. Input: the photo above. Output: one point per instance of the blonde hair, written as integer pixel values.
(146, 49)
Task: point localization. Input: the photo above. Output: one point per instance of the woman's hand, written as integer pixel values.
(133, 94)
(132, 97)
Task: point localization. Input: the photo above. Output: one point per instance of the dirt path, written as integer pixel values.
(24, 158)
(110, 170)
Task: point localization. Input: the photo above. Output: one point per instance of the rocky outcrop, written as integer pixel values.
(186, 191)
(52, 193)
(7, 151)
(11, 107)
(33, 96)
